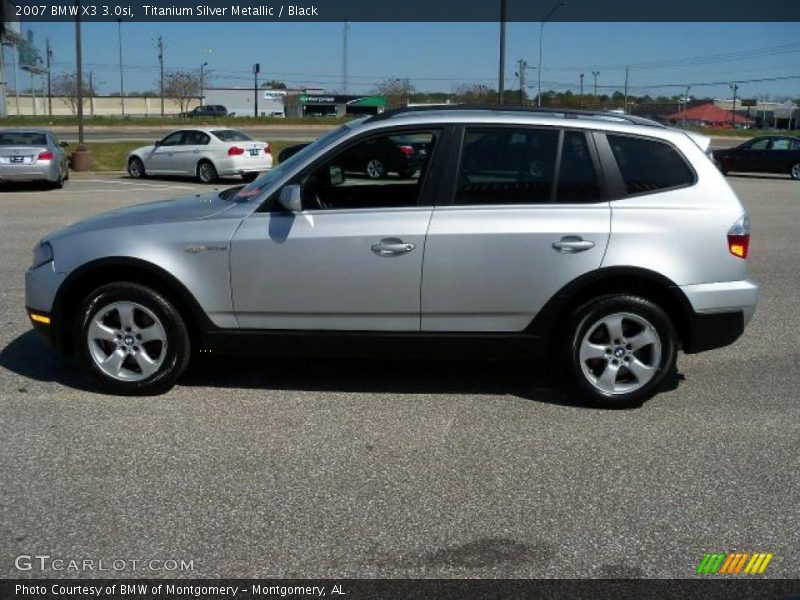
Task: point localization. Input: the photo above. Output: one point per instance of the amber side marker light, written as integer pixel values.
(43, 319)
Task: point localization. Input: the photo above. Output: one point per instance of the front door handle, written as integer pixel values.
(392, 247)
(572, 244)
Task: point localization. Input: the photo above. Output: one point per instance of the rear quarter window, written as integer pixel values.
(649, 165)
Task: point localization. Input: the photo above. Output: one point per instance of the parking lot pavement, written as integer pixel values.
(326, 467)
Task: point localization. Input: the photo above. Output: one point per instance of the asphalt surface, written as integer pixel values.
(326, 467)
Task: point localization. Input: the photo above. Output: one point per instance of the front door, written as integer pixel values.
(351, 260)
(162, 158)
(522, 225)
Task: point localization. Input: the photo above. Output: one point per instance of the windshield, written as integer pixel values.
(231, 135)
(267, 179)
(22, 138)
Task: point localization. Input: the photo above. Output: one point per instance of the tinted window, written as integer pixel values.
(759, 145)
(231, 135)
(173, 139)
(649, 165)
(195, 138)
(384, 171)
(507, 166)
(22, 138)
(784, 144)
(577, 179)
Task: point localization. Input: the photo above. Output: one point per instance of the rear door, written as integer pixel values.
(527, 216)
(187, 154)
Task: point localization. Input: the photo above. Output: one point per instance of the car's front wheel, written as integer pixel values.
(136, 168)
(620, 349)
(132, 339)
(795, 171)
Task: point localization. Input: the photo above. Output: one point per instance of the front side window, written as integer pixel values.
(173, 139)
(383, 171)
(649, 165)
(507, 166)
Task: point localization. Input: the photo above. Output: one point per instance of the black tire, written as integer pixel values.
(407, 173)
(176, 351)
(584, 321)
(794, 171)
(723, 168)
(59, 184)
(136, 168)
(248, 177)
(375, 169)
(206, 172)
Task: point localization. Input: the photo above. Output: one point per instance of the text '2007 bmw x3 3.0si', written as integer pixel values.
(606, 241)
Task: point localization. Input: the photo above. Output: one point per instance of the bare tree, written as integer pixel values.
(396, 91)
(66, 86)
(475, 95)
(182, 87)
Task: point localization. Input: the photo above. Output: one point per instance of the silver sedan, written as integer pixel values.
(32, 155)
(204, 153)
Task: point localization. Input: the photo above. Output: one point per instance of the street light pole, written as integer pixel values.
(203, 82)
(581, 100)
(686, 103)
(541, 37)
(595, 73)
(121, 79)
(79, 71)
(735, 88)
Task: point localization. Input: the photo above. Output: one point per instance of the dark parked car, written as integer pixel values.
(290, 151)
(768, 154)
(378, 157)
(211, 110)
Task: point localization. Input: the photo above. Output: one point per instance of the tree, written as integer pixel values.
(273, 84)
(66, 86)
(396, 91)
(181, 87)
(477, 94)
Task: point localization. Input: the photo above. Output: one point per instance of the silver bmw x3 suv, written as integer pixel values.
(601, 242)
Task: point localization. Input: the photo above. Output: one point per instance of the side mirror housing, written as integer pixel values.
(291, 198)
(63, 144)
(336, 175)
(157, 143)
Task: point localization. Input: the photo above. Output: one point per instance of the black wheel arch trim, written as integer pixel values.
(65, 299)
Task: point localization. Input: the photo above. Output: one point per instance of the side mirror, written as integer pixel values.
(63, 144)
(291, 198)
(157, 143)
(336, 175)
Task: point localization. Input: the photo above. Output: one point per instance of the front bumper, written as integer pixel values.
(720, 313)
(43, 325)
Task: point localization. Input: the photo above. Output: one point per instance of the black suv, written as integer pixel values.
(211, 110)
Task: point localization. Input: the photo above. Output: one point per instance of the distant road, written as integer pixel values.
(148, 134)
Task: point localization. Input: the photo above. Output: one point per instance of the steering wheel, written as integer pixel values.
(315, 191)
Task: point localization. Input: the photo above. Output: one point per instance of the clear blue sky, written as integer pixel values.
(440, 56)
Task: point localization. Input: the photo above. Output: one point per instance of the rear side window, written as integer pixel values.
(507, 166)
(577, 178)
(231, 135)
(649, 165)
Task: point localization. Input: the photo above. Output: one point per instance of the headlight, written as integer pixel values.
(42, 254)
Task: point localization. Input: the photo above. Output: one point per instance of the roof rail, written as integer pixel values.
(567, 113)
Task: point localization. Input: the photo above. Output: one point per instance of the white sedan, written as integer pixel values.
(205, 153)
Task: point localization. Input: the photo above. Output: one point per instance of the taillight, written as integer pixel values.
(46, 155)
(407, 150)
(235, 151)
(739, 237)
(267, 149)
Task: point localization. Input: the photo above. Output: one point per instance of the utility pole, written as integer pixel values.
(581, 100)
(686, 103)
(735, 88)
(79, 72)
(625, 107)
(121, 80)
(91, 93)
(501, 75)
(16, 79)
(256, 71)
(541, 37)
(595, 73)
(160, 46)
(203, 66)
(49, 56)
(344, 57)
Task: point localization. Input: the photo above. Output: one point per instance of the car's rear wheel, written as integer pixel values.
(132, 339)
(206, 172)
(620, 349)
(375, 169)
(795, 171)
(136, 168)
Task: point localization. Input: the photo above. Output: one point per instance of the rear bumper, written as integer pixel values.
(720, 313)
(237, 166)
(20, 173)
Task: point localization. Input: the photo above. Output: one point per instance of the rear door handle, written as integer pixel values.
(572, 244)
(392, 247)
